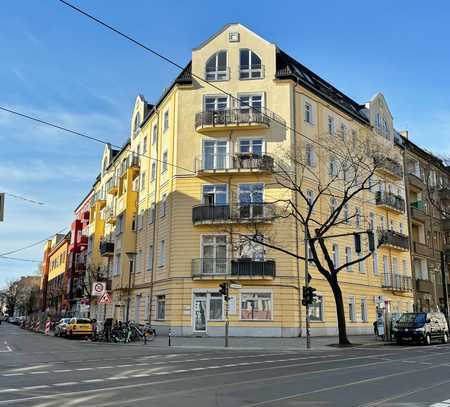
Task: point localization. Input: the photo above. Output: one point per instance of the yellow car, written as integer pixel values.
(79, 327)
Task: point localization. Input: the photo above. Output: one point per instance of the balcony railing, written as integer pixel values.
(256, 212)
(392, 238)
(112, 186)
(423, 249)
(415, 181)
(106, 248)
(212, 119)
(244, 267)
(390, 200)
(389, 165)
(397, 282)
(424, 286)
(242, 162)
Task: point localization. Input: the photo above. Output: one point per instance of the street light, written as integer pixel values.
(131, 256)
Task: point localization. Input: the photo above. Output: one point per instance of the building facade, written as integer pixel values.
(198, 169)
(428, 191)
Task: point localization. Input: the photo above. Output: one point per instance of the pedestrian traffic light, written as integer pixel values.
(357, 243)
(309, 295)
(224, 290)
(371, 238)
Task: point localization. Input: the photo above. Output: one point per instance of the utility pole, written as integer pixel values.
(308, 334)
(2, 205)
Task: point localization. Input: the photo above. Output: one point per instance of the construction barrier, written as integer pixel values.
(47, 327)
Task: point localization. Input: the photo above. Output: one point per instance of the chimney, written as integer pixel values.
(405, 134)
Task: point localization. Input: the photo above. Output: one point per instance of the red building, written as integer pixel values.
(78, 280)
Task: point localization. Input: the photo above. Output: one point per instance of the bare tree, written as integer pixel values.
(341, 186)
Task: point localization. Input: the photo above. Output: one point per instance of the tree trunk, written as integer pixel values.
(340, 311)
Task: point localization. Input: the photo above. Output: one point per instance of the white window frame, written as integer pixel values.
(321, 309)
(308, 112)
(215, 74)
(251, 71)
(162, 253)
(351, 315)
(166, 120)
(158, 303)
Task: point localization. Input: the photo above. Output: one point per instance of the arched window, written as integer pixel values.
(216, 67)
(250, 65)
(137, 122)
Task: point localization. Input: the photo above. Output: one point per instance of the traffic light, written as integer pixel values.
(224, 290)
(309, 295)
(357, 243)
(371, 238)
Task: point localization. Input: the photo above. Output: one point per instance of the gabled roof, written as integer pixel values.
(289, 68)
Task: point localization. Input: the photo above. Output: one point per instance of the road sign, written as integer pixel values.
(235, 286)
(2, 205)
(106, 299)
(98, 288)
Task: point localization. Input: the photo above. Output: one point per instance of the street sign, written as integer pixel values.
(2, 205)
(98, 288)
(106, 299)
(235, 286)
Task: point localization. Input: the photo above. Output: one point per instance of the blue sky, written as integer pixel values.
(63, 68)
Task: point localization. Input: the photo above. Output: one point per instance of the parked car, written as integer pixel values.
(78, 327)
(422, 327)
(61, 326)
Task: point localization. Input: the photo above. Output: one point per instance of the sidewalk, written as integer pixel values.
(266, 344)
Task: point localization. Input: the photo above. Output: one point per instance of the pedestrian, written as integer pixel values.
(375, 328)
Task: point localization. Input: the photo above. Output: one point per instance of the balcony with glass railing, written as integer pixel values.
(233, 213)
(112, 186)
(234, 163)
(390, 201)
(418, 211)
(241, 267)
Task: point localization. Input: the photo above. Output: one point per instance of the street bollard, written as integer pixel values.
(170, 337)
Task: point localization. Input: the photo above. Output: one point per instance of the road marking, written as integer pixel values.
(12, 374)
(65, 384)
(93, 380)
(8, 390)
(141, 375)
(85, 368)
(62, 370)
(104, 367)
(40, 372)
(124, 365)
(41, 386)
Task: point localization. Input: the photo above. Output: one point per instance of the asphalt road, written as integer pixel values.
(45, 371)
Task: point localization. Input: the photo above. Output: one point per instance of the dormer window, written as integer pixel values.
(216, 67)
(250, 65)
(137, 122)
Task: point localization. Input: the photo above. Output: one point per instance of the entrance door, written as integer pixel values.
(200, 313)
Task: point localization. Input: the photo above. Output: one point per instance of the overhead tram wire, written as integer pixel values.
(32, 244)
(20, 259)
(98, 140)
(177, 65)
(24, 198)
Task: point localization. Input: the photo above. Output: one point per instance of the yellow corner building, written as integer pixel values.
(198, 169)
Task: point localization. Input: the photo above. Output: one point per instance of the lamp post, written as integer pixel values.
(131, 256)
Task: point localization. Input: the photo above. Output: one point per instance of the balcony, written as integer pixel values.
(424, 286)
(235, 163)
(390, 201)
(389, 167)
(418, 212)
(393, 239)
(233, 213)
(444, 194)
(415, 182)
(397, 282)
(109, 216)
(244, 267)
(445, 225)
(112, 186)
(219, 120)
(106, 248)
(422, 249)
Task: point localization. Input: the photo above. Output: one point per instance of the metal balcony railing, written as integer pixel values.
(397, 282)
(232, 117)
(238, 162)
(106, 248)
(211, 267)
(255, 212)
(392, 238)
(423, 249)
(391, 200)
(389, 165)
